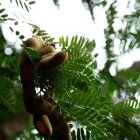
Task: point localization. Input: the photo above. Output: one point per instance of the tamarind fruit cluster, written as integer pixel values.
(46, 116)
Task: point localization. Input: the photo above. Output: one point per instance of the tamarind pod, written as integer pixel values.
(42, 125)
(63, 133)
(27, 73)
(52, 61)
(38, 44)
(60, 124)
(34, 42)
(46, 49)
(27, 80)
(42, 106)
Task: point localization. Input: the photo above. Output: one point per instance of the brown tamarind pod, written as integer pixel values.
(38, 44)
(52, 61)
(34, 42)
(49, 97)
(27, 73)
(38, 106)
(42, 125)
(46, 49)
(42, 106)
(60, 125)
(27, 80)
(45, 113)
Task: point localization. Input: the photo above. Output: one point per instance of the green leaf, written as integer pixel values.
(11, 29)
(4, 16)
(73, 135)
(17, 33)
(32, 2)
(34, 55)
(21, 37)
(2, 10)
(21, 4)
(17, 2)
(83, 136)
(27, 8)
(42, 33)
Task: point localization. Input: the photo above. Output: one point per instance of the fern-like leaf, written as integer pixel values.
(3, 15)
(77, 94)
(42, 33)
(33, 55)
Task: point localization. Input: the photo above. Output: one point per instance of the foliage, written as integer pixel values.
(3, 16)
(24, 4)
(42, 33)
(56, 2)
(76, 95)
(83, 95)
